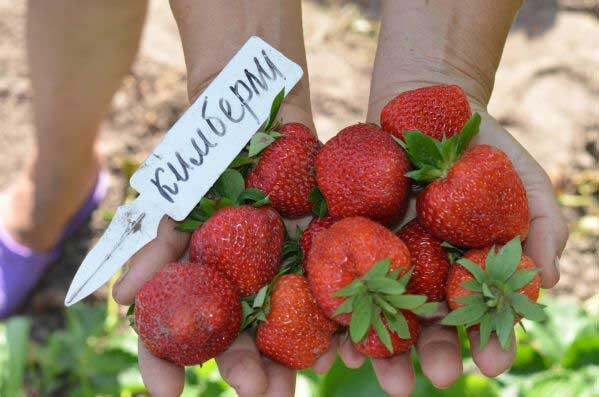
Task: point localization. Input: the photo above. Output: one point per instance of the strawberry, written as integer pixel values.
(353, 270)
(436, 111)
(361, 172)
(316, 226)
(244, 243)
(475, 197)
(187, 313)
(296, 331)
(429, 259)
(285, 170)
(491, 289)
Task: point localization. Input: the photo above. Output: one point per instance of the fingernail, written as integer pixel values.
(557, 264)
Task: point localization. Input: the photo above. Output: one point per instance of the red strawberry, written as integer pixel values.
(296, 331)
(285, 171)
(429, 260)
(244, 243)
(353, 270)
(361, 172)
(474, 200)
(187, 313)
(316, 226)
(372, 346)
(435, 110)
(494, 288)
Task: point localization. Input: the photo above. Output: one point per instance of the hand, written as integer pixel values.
(438, 346)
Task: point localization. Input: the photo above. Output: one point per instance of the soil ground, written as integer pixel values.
(547, 95)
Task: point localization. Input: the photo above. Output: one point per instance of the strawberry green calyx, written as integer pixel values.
(496, 303)
(228, 190)
(431, 158)
(292, 255)
(262, 139)
(319, 204)
(381, 292)
(255, 308)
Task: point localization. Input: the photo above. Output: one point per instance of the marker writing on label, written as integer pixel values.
(166, 178)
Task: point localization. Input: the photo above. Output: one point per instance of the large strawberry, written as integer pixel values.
(244, 243)
(295, 332)
(493, 288)
(358, 271)
(475, 197)
(436, 111)
(315, 226)
(361, 172)
(187, 313)
(285, 170)
(429, 259)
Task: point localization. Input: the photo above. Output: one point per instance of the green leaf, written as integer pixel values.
(422, 149)
(487, 292)
(394, 274)
(319, 204)
(230, 184)
(275, 134)
(253, 194)
(381, 330)
(427, 309)
(468, 132)
(351, 289)
(360, 318)
(131, 315)
(425, 174)
(506, 262)
(471, 299)
(405, 278)
(259, 142)
(385, 285)
(474, 269)
(531, 310)
(408, 302)
(274, 110)
(398, 324)
(260, 297)
(472, 285)
(242, 161)
(188, 225)
(486, 326)
(465, 314)
(17, 341)
(399, 141)
(378, 270)
(520, 278)
(504, 325)
(346, 307)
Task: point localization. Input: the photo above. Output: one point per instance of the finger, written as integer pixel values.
(324, 362)
(168, 246)
(281, 380)
(395, 374)
(161, 377)
(493, 360)
(440, 357)
(548, 232)
(349, 355)
(242, 367)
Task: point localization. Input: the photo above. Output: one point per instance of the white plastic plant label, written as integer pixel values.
(191, 157)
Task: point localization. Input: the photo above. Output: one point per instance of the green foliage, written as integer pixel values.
(89, 357)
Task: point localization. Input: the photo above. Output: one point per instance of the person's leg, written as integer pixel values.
(78, 52)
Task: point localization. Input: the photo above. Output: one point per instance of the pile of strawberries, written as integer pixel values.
(349, 269)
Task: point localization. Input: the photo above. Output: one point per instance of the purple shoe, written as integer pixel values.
(21, 267)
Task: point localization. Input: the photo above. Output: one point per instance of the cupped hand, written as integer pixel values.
(438, 346)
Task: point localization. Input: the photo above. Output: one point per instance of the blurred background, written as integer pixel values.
(546, 94)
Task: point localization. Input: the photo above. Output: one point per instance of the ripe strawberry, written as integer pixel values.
(316, 226)
(435, 110)
(285, 170)
(353, 271)
(187, 313)
(372, 346)
(429, 259)
(361, 172)
(296, 331)
(474, 200)
(244, 243)
(494, 288)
